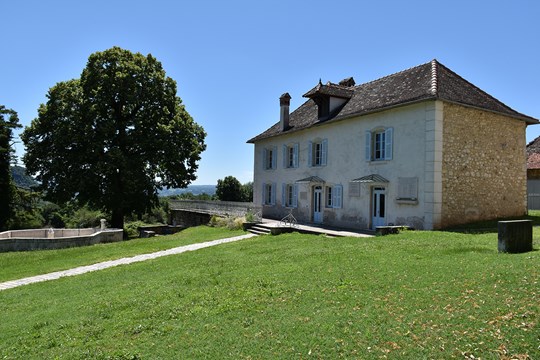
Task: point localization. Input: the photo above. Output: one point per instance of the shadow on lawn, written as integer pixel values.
(490, 226)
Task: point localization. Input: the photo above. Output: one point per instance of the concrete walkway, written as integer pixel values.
(123, 261)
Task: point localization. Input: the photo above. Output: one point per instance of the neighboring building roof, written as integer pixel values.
(533, 154)
(430, 81)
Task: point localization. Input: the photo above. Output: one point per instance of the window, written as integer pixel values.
(290, 156)
(334, 196)
(379, 144)
(407, 188)
(269, 194)
(290, 195)
(269, 158)
(318, 152)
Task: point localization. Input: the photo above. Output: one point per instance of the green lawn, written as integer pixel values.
(16, 265)
(417, 295)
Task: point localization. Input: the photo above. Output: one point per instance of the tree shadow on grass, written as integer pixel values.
(490, 226)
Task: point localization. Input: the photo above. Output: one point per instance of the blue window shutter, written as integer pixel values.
(368, 145)
(324, 152)
(295, 196)
(273, 196)
(283, 194)
(295, 155)
(337, 196)
(274, 157)
(285, 156)
(310, 154)
(388, 143)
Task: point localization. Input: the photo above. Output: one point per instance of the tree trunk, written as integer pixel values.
(117, 219)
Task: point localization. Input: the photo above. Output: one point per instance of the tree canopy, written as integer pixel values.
(114, 137)
(230, 189)
(8, 121)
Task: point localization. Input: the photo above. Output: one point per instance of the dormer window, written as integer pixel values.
(330, 98)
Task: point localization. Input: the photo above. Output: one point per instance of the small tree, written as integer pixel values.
(8, 122)
(229, 189)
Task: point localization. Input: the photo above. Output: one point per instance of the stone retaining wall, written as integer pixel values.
(41, 239)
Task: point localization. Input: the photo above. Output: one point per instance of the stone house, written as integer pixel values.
(422, 147)
(533, 174)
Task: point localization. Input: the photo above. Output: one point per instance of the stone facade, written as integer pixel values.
(484, 166)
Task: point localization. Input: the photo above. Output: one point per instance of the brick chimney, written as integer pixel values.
(284, 102)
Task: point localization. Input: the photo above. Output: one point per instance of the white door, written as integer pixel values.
(378, 207)
(317, 204)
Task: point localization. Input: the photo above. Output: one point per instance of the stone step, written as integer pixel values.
(259, 230)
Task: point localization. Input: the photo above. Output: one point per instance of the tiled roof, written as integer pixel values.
(429, 81)
(533, 154)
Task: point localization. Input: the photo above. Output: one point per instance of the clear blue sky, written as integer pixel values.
(233, 59)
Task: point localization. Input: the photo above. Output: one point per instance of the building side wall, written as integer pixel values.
(483, 166)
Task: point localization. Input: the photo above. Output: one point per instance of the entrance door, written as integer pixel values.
(317, 204)
(378, 210)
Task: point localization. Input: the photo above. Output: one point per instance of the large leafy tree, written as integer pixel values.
(8, 122)
(114, 137)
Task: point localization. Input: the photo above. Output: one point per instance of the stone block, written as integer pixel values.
(515, 236)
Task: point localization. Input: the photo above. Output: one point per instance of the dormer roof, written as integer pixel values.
(429, 81)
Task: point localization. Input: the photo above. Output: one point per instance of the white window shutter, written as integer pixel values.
(388, 143)
(265, 159)
(273, 197)
(274, 157)
(283, 194)
(310, 154)
(368, 145)
(337, 196)
(285, 157)
(295, 196)
(295, 155)
(324, 152)
(264, 193)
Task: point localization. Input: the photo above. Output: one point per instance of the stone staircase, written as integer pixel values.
(259, 229)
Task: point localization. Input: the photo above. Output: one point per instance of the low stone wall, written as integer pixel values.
(45, 239)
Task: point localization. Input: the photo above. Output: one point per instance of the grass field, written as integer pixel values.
(16, 265)
(417, 295)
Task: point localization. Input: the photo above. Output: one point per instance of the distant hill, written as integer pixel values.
(21, 179)
(194, 189)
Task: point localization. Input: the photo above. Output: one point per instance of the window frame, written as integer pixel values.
(318, 153)
(270, 158)
(379, 144)
(289, 195)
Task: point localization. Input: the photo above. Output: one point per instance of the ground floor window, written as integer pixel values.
(334, 196)
(269, 194)
(290, 195)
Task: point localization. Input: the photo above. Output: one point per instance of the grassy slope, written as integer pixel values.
(16, 265)
(414, 295)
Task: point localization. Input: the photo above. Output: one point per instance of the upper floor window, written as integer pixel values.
(318, 153)
(269, 158)
(379, 144)
(290, 156)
